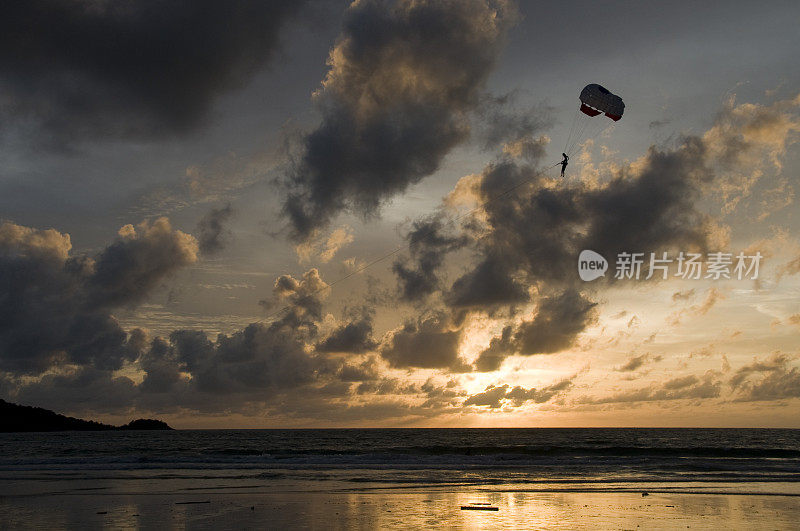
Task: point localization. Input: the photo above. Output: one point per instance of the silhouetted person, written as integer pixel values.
(564, 163)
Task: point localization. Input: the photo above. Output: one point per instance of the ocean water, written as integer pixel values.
(680, 460)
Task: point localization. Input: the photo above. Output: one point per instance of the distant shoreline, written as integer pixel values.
(15, 418)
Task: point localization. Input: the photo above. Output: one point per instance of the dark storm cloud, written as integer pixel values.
(537, 232)
(97, 69)
(428, 247)
(655, 208)
(142, 256)
(500, 347)
(558, 321)
(251, 365)
(428, 343)
(403, 78)
(491, 397)
(211, 232)
(263, 361)
(304, 298)
(774, 363)
(54, 308)
(44, 318)
(354, 337)
(259, 358)
(489, 284)
(498, 396)
(440, 396)
(772, 379)
(366, 371)
(161, 371)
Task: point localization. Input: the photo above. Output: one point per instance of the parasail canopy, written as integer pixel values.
(596, 99)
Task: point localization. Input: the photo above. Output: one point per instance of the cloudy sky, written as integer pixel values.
(269, 214)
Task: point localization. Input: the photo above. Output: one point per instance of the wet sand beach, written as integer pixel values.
(399, 509)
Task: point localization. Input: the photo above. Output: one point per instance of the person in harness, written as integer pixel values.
(564, 163)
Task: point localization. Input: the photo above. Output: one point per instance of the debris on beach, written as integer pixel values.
(479, 506)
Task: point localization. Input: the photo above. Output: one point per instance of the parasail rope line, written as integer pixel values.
(577, 137)
(571, 129)
(580, 124)
(594, 128)
(405, 246)
(576, 141)
(593, 133)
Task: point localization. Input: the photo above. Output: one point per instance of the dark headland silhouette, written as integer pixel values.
(14, 417)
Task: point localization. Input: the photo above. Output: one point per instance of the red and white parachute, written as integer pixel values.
(595, 100)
